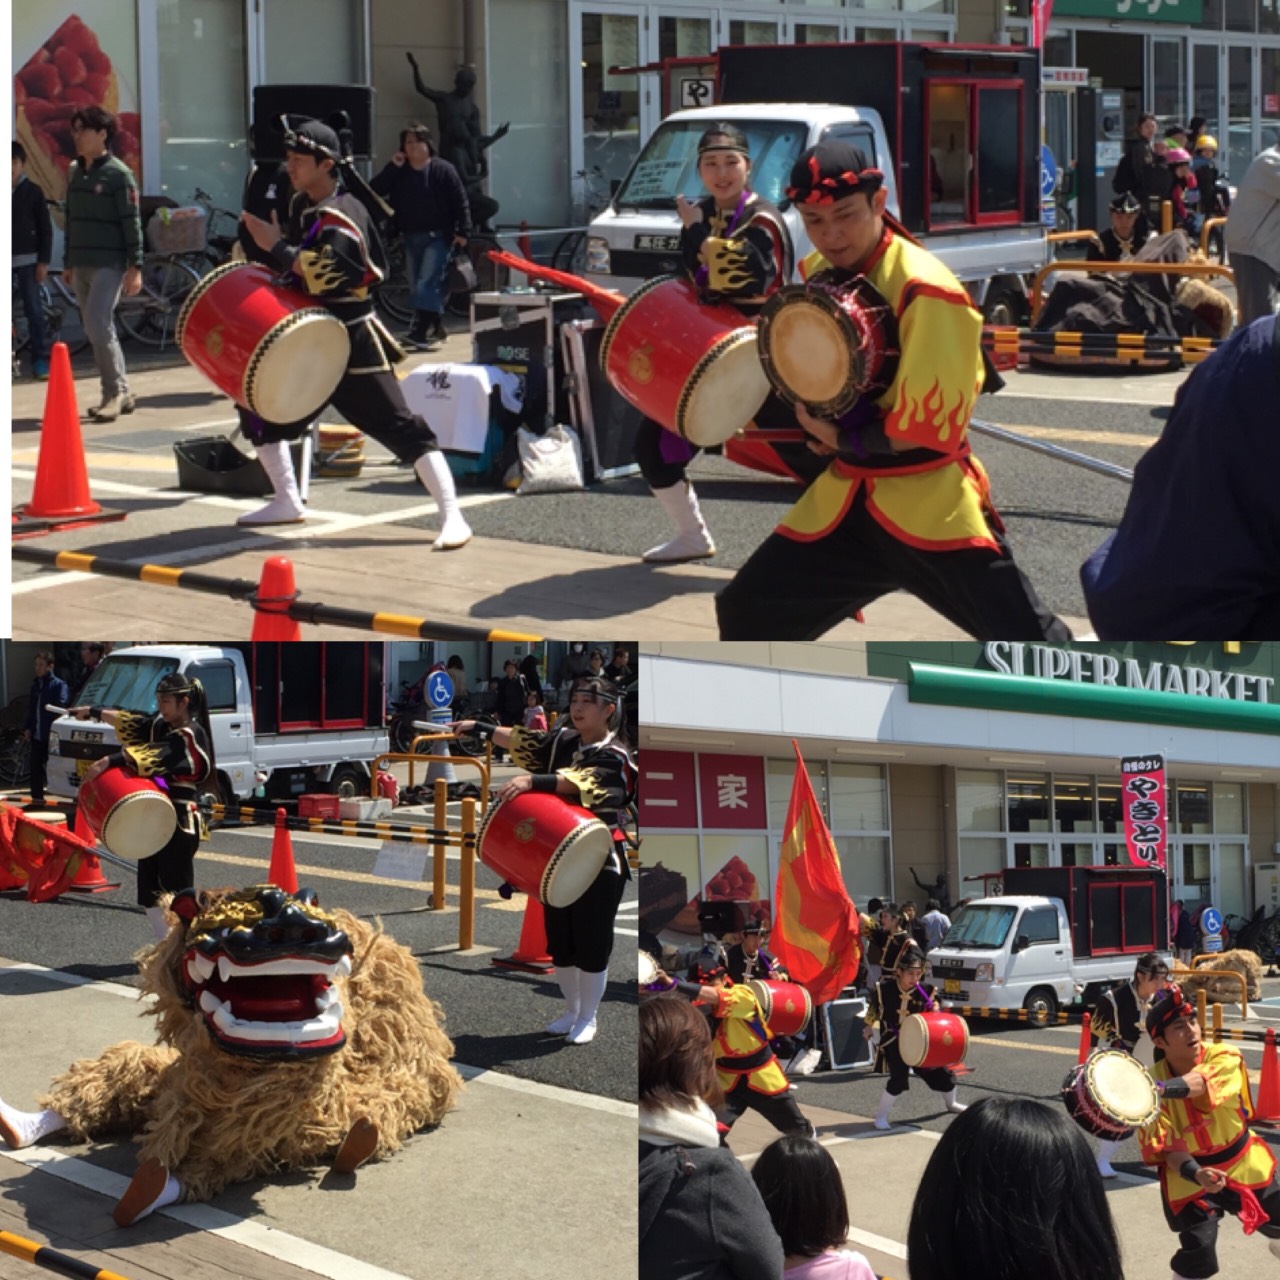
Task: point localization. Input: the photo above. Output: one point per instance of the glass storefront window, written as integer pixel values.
(1030, 854)
(683, 37)
(979, 800)
(1110, 812)
(1204, 85)
(1269, 91)
(978, 856)
(1240, 107)
(1228, 808)
(1193, 814)
(1242, 15)
(1268, 20)
(753, 32)
(735, 868)
(1077, 855)
(858, 799)
(1057, 50)
(1233, 894)
(1113, 855)
(610, 102)
(1195, 875)
(779, 775)
(1028, 801)
(817, 32)
(202, 117)
(1167, 81)
(668, 872)
(864, 864)
(1211, 15)
(1072, 804)
(337, 59)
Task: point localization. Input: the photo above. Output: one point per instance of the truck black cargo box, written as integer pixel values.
(1113, 910)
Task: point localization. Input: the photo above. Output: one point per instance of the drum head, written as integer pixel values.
(139, 825)
(806, 346)
(1121, 1088)
(297, 366)
(725, 392)
(648, 969)
(575, 864)
(913, 1040)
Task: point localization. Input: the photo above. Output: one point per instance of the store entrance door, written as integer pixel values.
(1208, 98)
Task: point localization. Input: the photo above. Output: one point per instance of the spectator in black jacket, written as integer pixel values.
(32, 247)
(433, 216)
(46, 691)
(512, 694)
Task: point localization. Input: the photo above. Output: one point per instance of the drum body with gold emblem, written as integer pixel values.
(934, 1039)
(130, 816)
(270, 348)
(545, 846)
(691, 366)
(787, 1006)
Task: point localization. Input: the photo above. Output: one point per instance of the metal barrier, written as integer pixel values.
(485, 767)
(1122, 268)
(52, 1260)
(1209, 225)
(439, 837)
(1067, 237)
(242, 589)
(1225, 973)
(1021, 344)
(1051, 450)
(1008, 1015)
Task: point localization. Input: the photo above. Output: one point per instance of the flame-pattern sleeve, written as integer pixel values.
(750, 262)
(333, 259)
(133, 728)
(531, 749)
(604, 774)
(181, 755)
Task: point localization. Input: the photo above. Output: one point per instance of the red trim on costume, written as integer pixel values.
(825, 531)
(926, 544)
(856, 471)
(878, 252)
(917, 289)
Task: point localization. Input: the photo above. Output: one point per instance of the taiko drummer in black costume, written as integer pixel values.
(736, 249)
(585, 760)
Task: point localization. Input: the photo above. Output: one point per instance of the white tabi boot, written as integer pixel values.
(952, 1105)
(568, 977)
(285, 506)
(692, 540)
(1106, 1150)
(590, 992)
(882, 1111)
(21, 1128)
(433, 471)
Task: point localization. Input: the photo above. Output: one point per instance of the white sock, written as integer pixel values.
(26, 1127)
(159, 925)
(568, 977)
(953, 1105)
(171, 1194)
(591, 988)
(887, 1100)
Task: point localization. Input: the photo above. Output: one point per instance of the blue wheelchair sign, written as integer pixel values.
(1210, 921)
(1048, 174)
(439, 690)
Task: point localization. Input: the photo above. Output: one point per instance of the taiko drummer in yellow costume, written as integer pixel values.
(903, 505)
(1209, 1160)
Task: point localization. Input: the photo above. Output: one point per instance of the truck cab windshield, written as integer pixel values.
(668, 165)
(979, 925)
(127, 683)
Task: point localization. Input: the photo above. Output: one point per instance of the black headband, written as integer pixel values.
(829, 172)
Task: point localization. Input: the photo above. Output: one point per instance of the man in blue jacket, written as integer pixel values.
(1197, 553)
(46, 691)
(32, 248)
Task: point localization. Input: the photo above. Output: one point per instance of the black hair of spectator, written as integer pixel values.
(96, 118)
(419, 131)
(19, 151)
(874, 906)
(1012, 1190)
(932, 905)
(800, 1185)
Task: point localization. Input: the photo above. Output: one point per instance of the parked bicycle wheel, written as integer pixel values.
(1269, 941)
(394, 296)
(472, 744)
(15, 761)
(151, 315)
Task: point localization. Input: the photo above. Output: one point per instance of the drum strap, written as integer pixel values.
(1228, 1153)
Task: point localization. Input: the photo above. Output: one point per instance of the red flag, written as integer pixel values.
(817, 935)
(1041, 12)
(1142, 790)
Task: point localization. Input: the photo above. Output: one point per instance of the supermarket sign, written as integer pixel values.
(1180, 11)
(1082, 666)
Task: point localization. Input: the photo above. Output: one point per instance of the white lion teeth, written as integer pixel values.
(322, 1027)
(343, 968)
(209, 1002)
(225, 967)
(328, 997)
(200, 968)
(283, 968)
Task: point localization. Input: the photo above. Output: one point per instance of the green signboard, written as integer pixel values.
(1227, 670)
(1183, 12)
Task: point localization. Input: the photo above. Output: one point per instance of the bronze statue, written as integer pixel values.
(462, 142)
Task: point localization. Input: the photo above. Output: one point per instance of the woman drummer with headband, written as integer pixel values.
(586, 762)
(175, 745)
(893, 999)
(736, 249)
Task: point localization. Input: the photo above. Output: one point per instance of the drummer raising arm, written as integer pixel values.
(586, 762)
(177, 745)
(1210, 1162)
(894, 999)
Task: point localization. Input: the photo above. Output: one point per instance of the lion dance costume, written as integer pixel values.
(288, 1036)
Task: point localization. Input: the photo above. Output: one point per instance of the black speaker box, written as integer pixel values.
(321, 101)
(842, 1024)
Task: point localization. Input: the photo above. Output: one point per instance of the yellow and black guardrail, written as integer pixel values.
(1022, 344)
(52, 1260)
(1006, 1015)
(243, 589)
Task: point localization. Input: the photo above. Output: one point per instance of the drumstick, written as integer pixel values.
(58, 711)
(925, 996)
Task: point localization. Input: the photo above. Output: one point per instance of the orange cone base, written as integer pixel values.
(25, 526)
(531, 952)
(89, 878)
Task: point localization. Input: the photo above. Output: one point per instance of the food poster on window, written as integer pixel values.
(66, 57)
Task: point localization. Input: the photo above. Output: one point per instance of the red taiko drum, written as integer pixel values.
(787, 1006)
(937, 1039)
(129, 816)
(270, 348)
(692, 367)
(545, 846)
(827, 343)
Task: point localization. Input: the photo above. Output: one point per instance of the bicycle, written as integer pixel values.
(150, 316)
(570, 254)
(15, 759)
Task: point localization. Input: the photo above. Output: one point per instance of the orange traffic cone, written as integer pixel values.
(282, 874)
(62, 480)
(89, 878)
(276, 593)
(1086, 1039)
(531, 951)
(1267, 1104)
